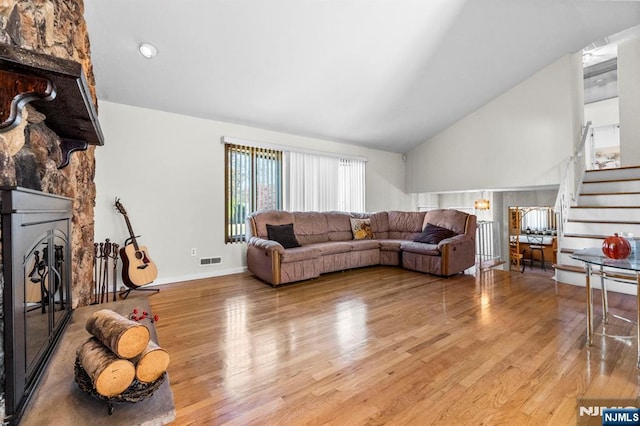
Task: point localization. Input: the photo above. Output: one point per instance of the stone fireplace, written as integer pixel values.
(31, 151)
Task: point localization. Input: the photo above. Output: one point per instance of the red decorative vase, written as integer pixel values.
(615, 247)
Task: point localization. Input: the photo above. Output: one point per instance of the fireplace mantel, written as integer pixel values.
(57, 88)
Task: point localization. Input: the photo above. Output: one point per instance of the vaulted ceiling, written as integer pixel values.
(386, 74)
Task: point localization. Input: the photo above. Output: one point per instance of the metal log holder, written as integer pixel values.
(136, 392)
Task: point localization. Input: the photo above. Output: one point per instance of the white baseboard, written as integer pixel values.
(199, 276)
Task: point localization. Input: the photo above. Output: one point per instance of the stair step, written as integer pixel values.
(567, 250)
(618, 186)
(612, 174)
(571, 268)
(570, 274)
(600, 213)
(608, 273)
(637, 178)
(580, 243)
(570, 277)
(601, 228)
(566, 259)
(605, 207)
(588, 194)
(623, 215)
(609, 199)
(607, 222)
(597, 237)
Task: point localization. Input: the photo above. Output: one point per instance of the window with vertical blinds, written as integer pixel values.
(322, 183)
(253, 181)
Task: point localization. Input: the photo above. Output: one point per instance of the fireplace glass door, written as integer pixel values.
(36, 230)
(44, 303)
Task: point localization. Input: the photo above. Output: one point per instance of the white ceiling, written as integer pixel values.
(386, 74)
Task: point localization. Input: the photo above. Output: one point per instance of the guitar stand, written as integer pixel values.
(142, 261)
(125, 293)
(130, 240)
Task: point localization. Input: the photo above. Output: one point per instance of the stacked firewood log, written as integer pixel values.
(119, 352)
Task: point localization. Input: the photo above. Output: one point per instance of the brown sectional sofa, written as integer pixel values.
(327, 243)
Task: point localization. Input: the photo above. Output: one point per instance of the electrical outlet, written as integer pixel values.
(194, 252)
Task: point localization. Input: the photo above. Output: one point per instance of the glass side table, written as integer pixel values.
(627, 270)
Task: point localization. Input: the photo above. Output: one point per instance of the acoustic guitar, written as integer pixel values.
(137, 267)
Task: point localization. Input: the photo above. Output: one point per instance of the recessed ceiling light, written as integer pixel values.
(148, 50)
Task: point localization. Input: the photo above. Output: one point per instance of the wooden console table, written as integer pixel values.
(627, 270)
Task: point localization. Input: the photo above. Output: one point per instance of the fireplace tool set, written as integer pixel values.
(104, 269)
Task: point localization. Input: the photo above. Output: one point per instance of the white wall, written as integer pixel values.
(168, 171)
(629, 96)
(520, 139)
(602, 113)
(539, 198)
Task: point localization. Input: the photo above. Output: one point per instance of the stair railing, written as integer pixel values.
(572, 176)
(487, 244)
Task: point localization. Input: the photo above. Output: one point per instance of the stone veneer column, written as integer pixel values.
(29, 153)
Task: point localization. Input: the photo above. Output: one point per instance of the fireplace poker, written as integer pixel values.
(100, 276)
(105, 278)
(95, 273)
(115, 265)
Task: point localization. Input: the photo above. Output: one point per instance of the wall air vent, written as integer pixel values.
(210, 260)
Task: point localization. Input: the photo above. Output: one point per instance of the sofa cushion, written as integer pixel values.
(332, 247)
(405, 225)
(455, 220)
(433, 234)
(361, 229)
(311, 227)
(391, 245)
(357, 245)
(353, 259)
(380, 225)
(273, 217)
(420, 248)
(300, 253)
(305, 269)
(339, 226)
(283, 234)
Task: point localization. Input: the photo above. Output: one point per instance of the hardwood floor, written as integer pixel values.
(383, 345)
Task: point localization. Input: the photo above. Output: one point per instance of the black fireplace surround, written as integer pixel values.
(36, 278)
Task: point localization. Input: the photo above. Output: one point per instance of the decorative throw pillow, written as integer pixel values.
(361, 229)
(432, 234)
(283, 234)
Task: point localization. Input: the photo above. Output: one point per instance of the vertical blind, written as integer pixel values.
(319, 183)
(538, 219)
(352, 185)
(253, 181)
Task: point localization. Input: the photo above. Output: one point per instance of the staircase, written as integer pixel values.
(608, 202)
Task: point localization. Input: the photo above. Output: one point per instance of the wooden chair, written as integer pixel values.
(515, 254)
